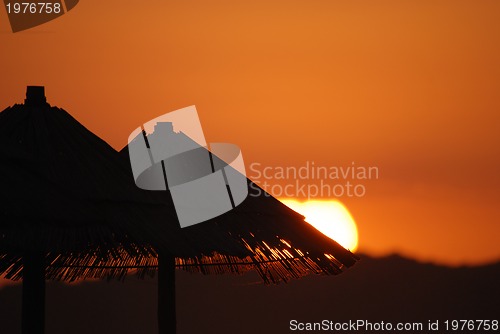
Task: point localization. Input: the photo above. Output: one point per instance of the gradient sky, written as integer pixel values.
(408, 86)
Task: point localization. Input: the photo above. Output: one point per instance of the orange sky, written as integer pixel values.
(408, 86)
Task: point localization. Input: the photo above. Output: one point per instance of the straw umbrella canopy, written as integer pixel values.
(276, 240)
(270, 238)
(65, 197)
(64, 191)
(70, 210)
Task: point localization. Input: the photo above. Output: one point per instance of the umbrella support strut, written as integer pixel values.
(33, 309)
(167, 323)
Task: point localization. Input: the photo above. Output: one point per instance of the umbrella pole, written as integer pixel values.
(33, 309)
(167, 323)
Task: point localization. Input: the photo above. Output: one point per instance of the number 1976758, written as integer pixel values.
(471, 325)
(33, 8)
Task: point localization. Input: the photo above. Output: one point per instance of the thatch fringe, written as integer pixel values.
(274, 264)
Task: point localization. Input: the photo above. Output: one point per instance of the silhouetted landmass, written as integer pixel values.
(386, 289)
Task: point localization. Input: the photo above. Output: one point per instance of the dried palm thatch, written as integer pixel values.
(68, 194)
(69, 200)
(278, 245)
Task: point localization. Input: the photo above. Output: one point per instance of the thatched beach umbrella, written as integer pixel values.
(65, 197)
(70, 210)
(273, 239)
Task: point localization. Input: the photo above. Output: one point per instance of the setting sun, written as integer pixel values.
(329, 217)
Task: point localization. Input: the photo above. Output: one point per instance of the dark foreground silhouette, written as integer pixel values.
(387, 289)
(70, 209)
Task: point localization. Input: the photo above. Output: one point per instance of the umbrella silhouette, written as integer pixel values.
(71, 210)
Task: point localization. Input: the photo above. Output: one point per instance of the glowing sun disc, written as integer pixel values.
(329, 217)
